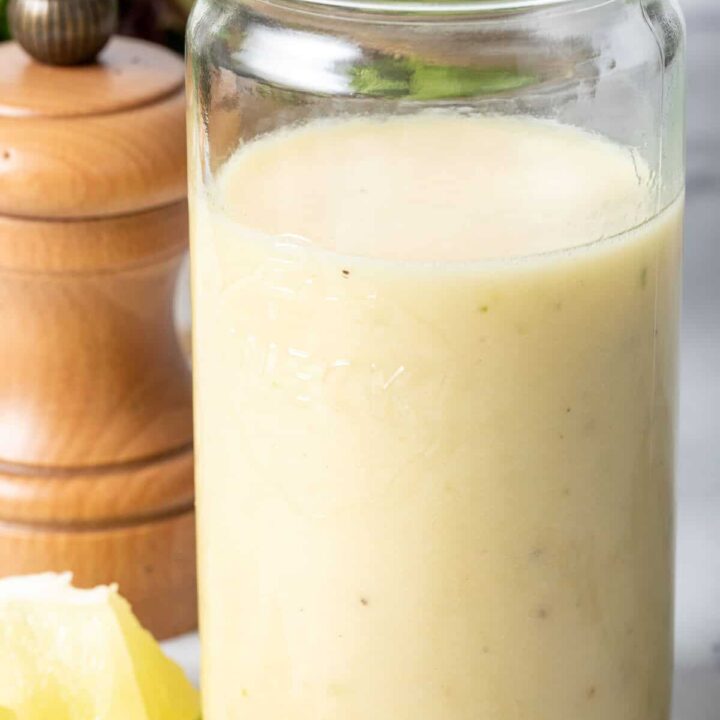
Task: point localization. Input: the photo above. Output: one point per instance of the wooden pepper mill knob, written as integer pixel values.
(62, 32)
(95, 393)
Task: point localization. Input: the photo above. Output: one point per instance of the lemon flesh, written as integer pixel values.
(71, 654)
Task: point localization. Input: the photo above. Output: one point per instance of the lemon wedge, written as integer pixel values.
(71, 654)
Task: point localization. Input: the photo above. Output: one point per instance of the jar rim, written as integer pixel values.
(444, 7)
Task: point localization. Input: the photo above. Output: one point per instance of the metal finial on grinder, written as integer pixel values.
(62, 32)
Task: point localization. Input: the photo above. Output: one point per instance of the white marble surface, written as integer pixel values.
(697, 686)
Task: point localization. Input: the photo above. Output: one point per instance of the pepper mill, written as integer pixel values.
(95, 394)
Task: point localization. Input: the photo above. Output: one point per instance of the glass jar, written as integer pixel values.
(436, 250)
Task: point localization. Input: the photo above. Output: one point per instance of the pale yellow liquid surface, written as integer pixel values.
(434, 440)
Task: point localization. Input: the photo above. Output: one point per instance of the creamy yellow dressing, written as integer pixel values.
(434, 421)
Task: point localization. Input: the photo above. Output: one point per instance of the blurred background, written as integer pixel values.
(698, 567)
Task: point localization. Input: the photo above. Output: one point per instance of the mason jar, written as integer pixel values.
(436, 251)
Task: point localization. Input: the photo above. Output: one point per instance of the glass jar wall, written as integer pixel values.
(436, 252)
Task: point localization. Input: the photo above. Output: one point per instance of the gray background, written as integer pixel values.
(697, 687)
(697, 690)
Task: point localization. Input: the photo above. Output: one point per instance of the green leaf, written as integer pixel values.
(4, 29)
(404, 77)
(387, 77)
(430, 82)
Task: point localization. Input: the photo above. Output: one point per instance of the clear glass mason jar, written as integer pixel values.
(436, 250)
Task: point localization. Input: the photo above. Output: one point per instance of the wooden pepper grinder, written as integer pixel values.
(95, 393)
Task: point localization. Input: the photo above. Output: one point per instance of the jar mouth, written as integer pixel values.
(445, 7)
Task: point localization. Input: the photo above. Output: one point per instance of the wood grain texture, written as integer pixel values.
(93, 166)
(102, 496)
(153, 564)
(95, 245)
(96, 456)
(128, 73)
(93, 373)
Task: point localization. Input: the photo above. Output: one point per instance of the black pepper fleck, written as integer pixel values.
(346, 273)
(364, 601)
